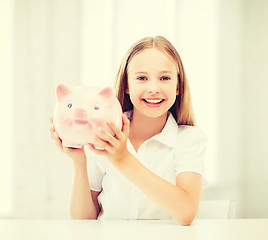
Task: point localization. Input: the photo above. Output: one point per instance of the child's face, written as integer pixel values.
(152, 82)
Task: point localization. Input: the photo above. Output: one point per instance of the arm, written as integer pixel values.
(84, 203)
(180, 201)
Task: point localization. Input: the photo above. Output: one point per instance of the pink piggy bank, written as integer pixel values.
(81, 110)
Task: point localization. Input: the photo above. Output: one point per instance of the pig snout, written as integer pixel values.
(80, 113)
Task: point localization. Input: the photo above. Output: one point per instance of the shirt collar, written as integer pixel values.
(168, 134)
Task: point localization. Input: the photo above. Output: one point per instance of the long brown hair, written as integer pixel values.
(182, 108)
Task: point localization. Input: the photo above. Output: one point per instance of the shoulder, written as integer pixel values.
(190, 151)
(190, 136)
(191, 132)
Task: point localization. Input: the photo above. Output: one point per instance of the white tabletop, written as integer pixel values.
(240, 229)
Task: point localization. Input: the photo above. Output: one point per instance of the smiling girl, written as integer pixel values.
(153, 167)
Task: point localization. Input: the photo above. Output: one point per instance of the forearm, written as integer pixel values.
(173, 199)
(82, 205)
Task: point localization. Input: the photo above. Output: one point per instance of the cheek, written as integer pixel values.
(134, 91)
(172, 96)
(133, 97)
(172, 93)
(171, 89)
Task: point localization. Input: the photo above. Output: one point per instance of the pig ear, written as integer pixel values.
(62, 91)
(107, 92)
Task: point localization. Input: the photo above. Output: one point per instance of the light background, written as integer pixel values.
(223, 45)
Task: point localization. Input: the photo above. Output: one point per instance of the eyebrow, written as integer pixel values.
(167, 71)
(141, 72)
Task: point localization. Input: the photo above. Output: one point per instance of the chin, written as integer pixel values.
(155, 114)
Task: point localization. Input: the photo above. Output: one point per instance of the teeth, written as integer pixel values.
(153, 100)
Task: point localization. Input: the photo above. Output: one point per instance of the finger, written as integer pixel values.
(118, 133)
(53, 133)
(66, 150)
(70, 149)
(101, 143)
(57, 140)
(59, 145)
(126, 123)
(106, 136)
(51, 118)
(97, 151)
(52, 128)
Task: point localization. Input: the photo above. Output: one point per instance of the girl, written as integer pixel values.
(152, 168)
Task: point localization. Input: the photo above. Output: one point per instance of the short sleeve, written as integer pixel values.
(95, 174)
(190, 151)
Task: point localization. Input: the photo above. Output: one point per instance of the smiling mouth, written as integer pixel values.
(153, 101)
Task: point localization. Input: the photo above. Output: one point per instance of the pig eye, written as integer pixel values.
(69, 105)
(96, 107)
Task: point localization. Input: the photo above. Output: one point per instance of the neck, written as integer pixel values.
(143, 127)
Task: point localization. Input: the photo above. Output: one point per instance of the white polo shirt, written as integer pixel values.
(175, 150)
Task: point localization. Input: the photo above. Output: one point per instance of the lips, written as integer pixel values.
(80, 122)
(153, 102)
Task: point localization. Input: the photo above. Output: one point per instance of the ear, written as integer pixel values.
(178, 85)
(127, 90)
(107, 92)
(177, 90)
(62, 91)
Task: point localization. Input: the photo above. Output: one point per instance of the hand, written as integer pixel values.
(113, 147)
(74, 153)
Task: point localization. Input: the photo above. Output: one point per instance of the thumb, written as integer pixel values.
(126, 123)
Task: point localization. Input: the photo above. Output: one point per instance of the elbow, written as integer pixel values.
(186, 215)
(187, 219)
(184, 221)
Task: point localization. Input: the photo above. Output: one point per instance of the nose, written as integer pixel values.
(153, 86)
(80, 113)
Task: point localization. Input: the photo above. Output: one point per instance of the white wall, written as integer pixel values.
(46, 51)
(243, 115)
(230, 20)
(6, 97)
(254, 117)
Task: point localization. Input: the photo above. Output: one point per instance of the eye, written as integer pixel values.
(142, 78)
(165, 78)
(96, 107)
(69, 105)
